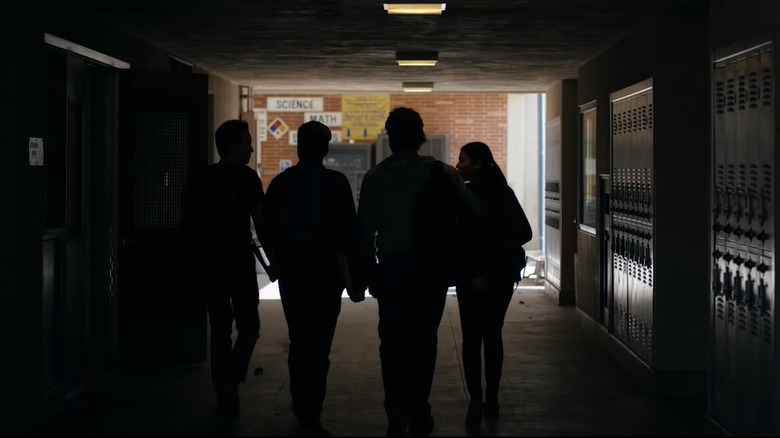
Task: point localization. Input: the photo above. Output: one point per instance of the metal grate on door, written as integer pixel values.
(161, 161)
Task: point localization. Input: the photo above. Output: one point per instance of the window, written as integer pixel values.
(588, 177)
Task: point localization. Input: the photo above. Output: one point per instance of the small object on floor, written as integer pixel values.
(259, 371)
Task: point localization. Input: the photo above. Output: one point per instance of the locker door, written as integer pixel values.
(606, 243)
(163, 137)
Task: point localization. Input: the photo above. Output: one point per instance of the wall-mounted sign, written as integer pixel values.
(35, 148)
(325, 117)
(261, 118)
(335, 137)
(284, 165)
(278, 128)
(364, 115)
(294, 104)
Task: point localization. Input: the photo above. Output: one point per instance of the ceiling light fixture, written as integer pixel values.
(417, 59)
(417, 87)
(415, 8)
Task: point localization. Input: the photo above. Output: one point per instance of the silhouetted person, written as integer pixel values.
(496, 253)
(219, 202)
(410, 296)
(309, 222)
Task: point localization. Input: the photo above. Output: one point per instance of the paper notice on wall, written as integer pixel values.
(363, 115)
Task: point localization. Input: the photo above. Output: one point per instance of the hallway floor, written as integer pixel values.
(556, 381)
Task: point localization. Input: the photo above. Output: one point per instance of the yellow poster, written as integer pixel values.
(363, 115)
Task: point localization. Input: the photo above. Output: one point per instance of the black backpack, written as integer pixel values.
(439, 215)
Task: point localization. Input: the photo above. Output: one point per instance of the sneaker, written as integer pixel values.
(490, 411)
(313, 430)
(474, 416)
(227, 399)
(311, 427)
(397, 428)
(421, 426)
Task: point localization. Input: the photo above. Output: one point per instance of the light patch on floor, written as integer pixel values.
(271, 291)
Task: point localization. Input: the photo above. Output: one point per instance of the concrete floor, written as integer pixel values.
(557, 381)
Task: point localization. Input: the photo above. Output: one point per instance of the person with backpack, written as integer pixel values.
(399, 238)
(495, 257)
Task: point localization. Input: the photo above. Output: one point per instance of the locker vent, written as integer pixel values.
(767, 82)
(554, 269)
(552, 204)
(720, 97)
(633, 120)
(730, 95)
(161, 162)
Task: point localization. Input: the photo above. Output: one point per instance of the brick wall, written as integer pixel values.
(464, 117)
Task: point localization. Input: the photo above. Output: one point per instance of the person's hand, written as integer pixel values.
(358, 294)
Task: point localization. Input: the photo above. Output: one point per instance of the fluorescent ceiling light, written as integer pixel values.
(417, 59)
(84, 51)
(415, 8)
(417, 87)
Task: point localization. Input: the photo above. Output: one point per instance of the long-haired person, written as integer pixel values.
(495, 254)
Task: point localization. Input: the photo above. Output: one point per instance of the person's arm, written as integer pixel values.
(256, 210)
(265, 219)
(471, 203)
(268, 225)
(367, 225)
(367, 220)
(350, 253)
(522, 226)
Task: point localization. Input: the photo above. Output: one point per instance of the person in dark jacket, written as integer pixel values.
(396, 235)
(309, 227)
(219, 204)
(483, 299)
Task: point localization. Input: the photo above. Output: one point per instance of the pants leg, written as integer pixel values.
(396, 359)
(245, 302)
(220, 312)
(410, 310)
(231, 293)
(311, 306)
(493, 323)
(430, 318)
(470, 310)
